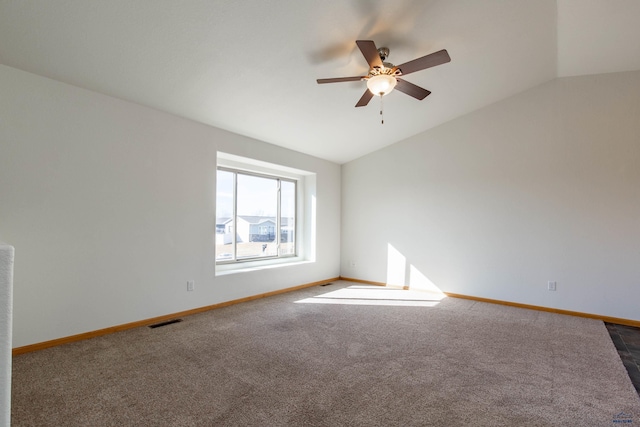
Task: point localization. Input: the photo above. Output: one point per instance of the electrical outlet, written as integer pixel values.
(190, 285)
(551, 286)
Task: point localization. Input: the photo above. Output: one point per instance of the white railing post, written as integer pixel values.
(6, 314)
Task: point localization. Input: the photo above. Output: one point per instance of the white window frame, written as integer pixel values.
(305, 212)
(262, 228)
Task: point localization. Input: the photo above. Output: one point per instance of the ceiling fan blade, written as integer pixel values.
(412, 90)
(341, 79)
(366, 97)
(428, 61)
(370, 52)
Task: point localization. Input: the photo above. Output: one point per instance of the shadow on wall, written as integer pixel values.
(401, 273)
(406, 286)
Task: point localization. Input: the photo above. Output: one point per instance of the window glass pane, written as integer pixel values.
(256, 218)
(287, 218)
(224, 215)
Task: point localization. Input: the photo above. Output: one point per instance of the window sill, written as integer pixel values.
(242, 267)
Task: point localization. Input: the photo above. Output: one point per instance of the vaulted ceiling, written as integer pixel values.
(250, 67)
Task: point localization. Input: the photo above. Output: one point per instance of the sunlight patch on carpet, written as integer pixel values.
(376, 295)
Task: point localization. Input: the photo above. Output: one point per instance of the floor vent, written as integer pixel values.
(168, 322)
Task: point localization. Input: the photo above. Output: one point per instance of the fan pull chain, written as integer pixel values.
(381, 105)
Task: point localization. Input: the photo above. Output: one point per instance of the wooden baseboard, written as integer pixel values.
(146, 322)
(366, 282)
(608, 319)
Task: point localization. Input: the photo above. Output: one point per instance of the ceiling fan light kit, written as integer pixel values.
(381, 84)
(383, 77)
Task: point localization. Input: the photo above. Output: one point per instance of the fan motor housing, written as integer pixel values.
(387, 68)
(383, 52)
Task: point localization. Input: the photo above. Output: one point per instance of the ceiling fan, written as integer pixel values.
(383, 77)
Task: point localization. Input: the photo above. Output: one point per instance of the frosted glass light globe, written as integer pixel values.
(382, 84)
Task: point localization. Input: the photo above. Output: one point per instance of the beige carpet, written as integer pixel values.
(326, 356)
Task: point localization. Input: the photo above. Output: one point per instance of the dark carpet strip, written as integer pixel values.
(627, 342)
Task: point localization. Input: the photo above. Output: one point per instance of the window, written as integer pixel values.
(257, 215)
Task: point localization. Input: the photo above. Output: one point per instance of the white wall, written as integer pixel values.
(111, 207)
(6, 307)
(544, 186)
